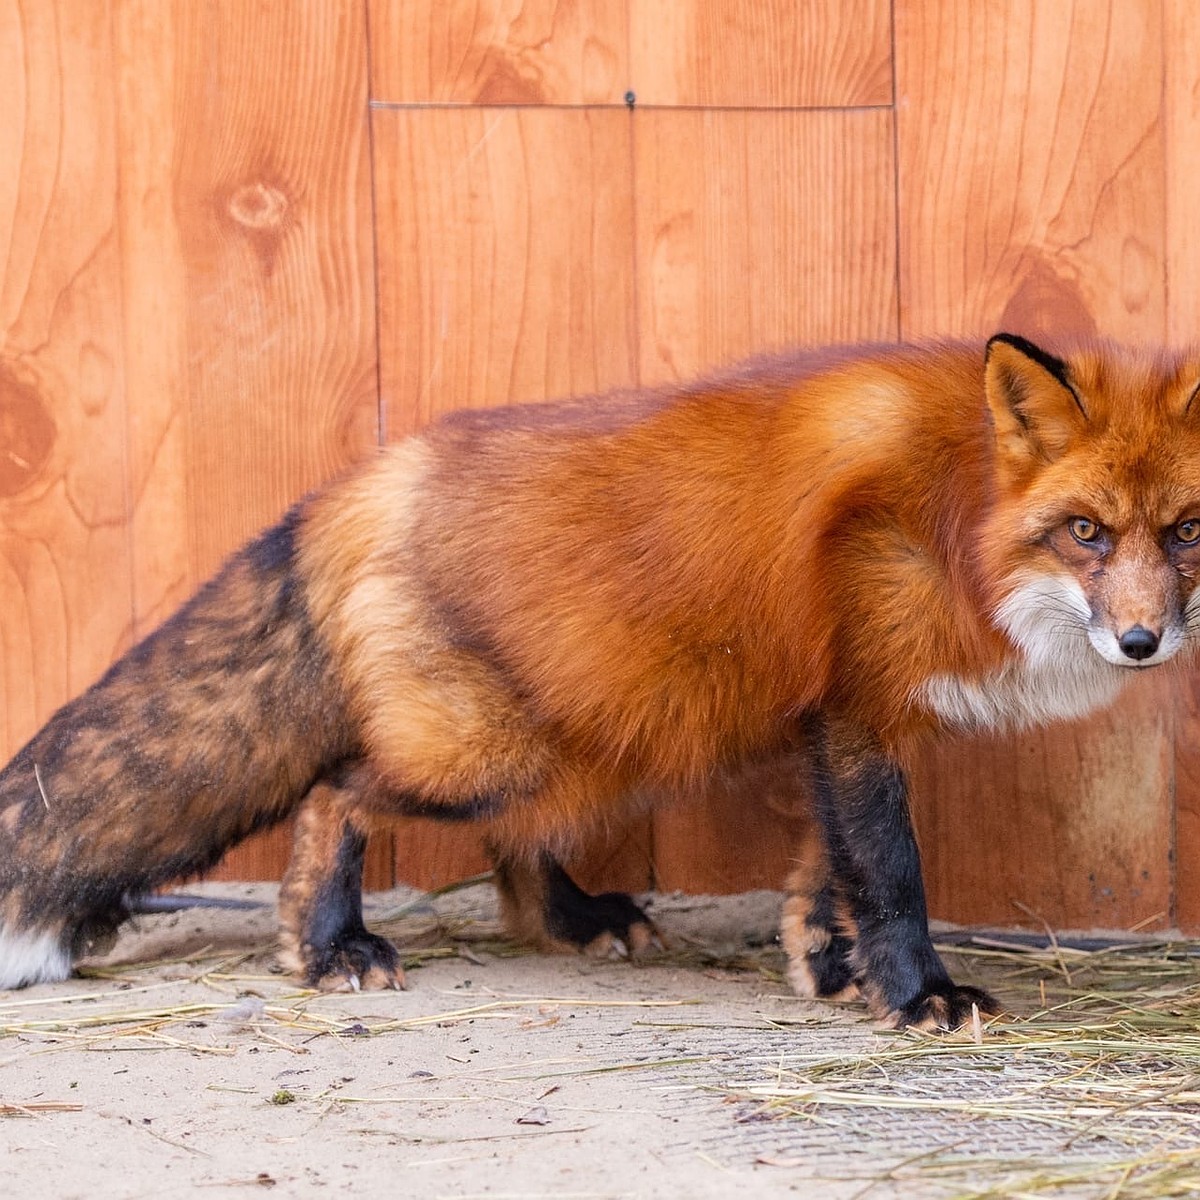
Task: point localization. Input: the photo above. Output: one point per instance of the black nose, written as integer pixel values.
(1138, 642)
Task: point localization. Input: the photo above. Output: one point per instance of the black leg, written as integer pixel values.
(815, 928)
(320, 901)
(543, 905)
(862, 802)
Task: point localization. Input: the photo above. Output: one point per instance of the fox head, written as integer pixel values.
(1096, 524)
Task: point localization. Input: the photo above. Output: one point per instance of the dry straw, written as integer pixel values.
(1097, 1093)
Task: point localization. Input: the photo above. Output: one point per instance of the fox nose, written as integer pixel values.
(1138, 642)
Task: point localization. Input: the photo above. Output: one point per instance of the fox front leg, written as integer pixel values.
(862, 804)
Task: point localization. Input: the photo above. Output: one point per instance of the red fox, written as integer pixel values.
(534, 618)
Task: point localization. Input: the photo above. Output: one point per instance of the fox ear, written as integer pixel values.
(1191, 408)
(1035, 407)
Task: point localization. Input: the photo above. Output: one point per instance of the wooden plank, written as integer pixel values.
(1031, 168)
(499, 52)
(247, 276)
(1071, 826)
(1181, 45)
(758, 230)
(65, 600)
(1030, 155)
(742, 834)
(1181, 106)
(505, 275)
(755, 230)
(1186, 711)
(505, 261)
(431, 855)
(727, 53)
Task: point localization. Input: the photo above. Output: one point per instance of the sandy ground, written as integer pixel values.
(183, 1064)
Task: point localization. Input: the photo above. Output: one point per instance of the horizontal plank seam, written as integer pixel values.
(398, 105)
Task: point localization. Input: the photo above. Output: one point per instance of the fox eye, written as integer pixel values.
(1188, 532)
(1085, 530)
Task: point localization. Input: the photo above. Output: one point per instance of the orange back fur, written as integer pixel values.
(663, 582)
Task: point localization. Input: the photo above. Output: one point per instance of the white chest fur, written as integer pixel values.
(1055, 673)
(1023, 694)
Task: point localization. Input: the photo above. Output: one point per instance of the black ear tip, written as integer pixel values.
(1048, 362)
(1017, 342)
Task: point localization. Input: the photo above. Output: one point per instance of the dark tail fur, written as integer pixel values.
(214, 726)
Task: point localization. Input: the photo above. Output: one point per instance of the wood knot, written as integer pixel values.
(1046, 303)
(259, 206)
(27, 433)
(506, 81)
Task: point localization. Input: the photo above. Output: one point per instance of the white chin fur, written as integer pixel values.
(31, 956)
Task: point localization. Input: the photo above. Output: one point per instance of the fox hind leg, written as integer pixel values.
(815, 927)
(322, 934)
(542, 905)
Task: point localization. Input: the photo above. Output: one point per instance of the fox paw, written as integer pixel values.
(818, 957)
(823, 971)
(944, 1007)
(354, 961)
(610, 925)
(542, 905)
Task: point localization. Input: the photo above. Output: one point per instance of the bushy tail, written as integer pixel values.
(214, 726)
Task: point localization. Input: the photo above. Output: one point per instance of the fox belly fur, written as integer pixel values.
(528, 617)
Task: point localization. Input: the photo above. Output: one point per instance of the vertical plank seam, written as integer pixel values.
(635, 268)
(896, 275)
(127, 439)
(381, 424)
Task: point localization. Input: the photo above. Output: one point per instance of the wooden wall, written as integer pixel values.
(243, 242)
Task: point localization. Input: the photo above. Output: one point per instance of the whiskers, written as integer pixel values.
(1055, 671)
(1047, 617)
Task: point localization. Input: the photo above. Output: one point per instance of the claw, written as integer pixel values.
(644, 937)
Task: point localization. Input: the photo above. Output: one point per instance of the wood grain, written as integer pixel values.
(743, 833)
(758, 230)
(429, 855)
(499, 52)
(1071, 826)
(755, 230)
(505, 257)
(1185, 859)
(1031, 168)
(245, 221)
(65, 590)
(773, 54)
(268, 225)
(1181, 107)
(1032, 199)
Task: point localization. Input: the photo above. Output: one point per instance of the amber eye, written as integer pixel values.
(1085, 530)
(1188, 532)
